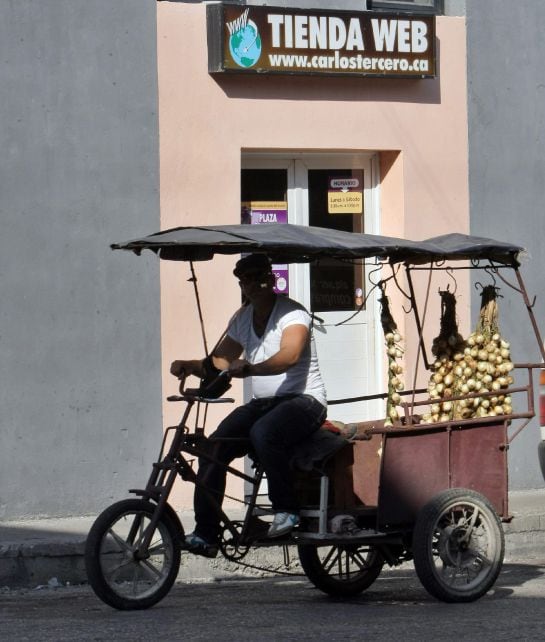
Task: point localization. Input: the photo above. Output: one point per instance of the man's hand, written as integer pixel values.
(182, 368)
(239, 368)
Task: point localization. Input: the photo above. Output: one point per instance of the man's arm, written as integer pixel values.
(227, 351)
(292, 344)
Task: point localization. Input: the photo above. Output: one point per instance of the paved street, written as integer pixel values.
(285, 608)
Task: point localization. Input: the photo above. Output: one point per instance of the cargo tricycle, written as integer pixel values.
(426, 482)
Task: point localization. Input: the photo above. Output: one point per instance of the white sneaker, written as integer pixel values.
(282, 523)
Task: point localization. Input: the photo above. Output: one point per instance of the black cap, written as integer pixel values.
(251, 263)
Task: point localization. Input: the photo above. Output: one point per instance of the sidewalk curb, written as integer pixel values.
(50, 552)
(62, 563)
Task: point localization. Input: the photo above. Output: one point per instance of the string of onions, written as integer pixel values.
(488, 357)
(481, 364)
(394, 352)
(447, 348)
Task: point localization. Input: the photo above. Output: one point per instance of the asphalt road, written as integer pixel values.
(396, 607)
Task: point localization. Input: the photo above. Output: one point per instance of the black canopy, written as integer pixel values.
(462, 246)
(300, 244)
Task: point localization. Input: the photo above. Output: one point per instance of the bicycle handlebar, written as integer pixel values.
(209, 392)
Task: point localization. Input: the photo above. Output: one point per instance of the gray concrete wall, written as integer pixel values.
(506, 104)
(455, 7)
(80, 400)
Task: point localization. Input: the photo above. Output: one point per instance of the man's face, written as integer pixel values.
(254, 283)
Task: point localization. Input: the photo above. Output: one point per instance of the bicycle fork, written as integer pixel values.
(160, 483)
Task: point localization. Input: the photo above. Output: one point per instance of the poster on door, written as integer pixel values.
(275, 212)
(345, 194)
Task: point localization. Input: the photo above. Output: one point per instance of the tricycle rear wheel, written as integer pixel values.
(458, 546)
(114, 570)
(341, 570)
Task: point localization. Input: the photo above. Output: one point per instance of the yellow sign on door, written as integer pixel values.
(344, 202)
(345, 194)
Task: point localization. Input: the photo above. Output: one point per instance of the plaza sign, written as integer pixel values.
(263, 39)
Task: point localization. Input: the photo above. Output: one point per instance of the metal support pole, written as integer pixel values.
(324, 501)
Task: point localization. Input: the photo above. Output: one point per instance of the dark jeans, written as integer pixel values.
(273, 426)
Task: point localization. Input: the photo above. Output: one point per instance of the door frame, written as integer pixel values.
(297, 165)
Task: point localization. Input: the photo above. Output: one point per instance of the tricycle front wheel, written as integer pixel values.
(458, 546)
(117, 573)
(341, 570)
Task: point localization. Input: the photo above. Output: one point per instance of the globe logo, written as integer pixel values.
(244, 41)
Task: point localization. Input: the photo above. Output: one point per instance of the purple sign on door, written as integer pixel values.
(281, 272)
(269, 216)
(259, 212)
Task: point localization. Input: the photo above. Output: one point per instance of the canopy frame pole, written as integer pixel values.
(421, 348)
(531, 314)
(193, 279)
(416, 314)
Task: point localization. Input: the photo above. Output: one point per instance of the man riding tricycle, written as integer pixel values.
(425, 482)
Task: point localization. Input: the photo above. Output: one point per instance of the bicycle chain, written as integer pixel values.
(287, 562)
(264, 568)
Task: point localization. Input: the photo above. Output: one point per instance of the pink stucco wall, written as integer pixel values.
(205, 123)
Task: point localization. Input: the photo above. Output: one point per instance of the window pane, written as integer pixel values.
(264, 185)
(264, 200)
(335, 285)
(427, 6)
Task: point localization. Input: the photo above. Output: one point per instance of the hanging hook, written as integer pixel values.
(509, 284)
(450, 273)
(377, 269)
(406, 311)
(496, 289)
(407, 296)
(491, 271)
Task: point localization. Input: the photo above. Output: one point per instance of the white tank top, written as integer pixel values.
(302, 378)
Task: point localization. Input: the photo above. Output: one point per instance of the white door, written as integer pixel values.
(347, 342)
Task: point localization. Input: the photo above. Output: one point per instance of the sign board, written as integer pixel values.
(263, 39)
(258, 212)
(345, 194)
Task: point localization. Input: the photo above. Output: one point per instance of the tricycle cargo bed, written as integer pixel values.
(418, 465)
(400, 470)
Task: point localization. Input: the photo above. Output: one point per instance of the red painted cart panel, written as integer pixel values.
(419, 463)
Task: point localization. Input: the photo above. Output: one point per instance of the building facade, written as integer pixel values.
(129, 118)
